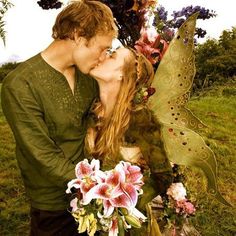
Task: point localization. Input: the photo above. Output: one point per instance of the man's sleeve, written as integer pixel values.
(25, 118)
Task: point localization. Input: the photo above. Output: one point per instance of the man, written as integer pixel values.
(45, 100)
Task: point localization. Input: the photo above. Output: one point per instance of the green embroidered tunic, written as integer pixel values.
(49, 125)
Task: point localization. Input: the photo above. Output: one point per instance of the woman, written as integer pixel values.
(122, 126)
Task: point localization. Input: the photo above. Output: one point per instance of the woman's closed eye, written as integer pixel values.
(113, 55)
(111, 52)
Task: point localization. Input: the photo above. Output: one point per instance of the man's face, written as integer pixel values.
(88, 54)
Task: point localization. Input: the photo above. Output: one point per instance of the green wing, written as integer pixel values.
(174, 78)
(173, 81)
(185, 147)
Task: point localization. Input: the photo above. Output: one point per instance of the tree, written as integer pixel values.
(228, 39)
(7, 68)
(216, 59)
(4, 6)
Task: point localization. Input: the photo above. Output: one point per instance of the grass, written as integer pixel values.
(216, 108)
(14, 205)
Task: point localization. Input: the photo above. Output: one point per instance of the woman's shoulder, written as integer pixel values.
(143, 125)
(144, 117)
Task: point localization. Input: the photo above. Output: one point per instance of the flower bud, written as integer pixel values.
(133, 221)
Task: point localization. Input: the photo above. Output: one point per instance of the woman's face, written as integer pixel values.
(111, 68)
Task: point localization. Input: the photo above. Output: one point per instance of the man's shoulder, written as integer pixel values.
(23, 72)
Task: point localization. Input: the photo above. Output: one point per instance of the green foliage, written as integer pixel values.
(216, 59)
(2, 31)
(7, 68)
(4, 6)
(228, 39)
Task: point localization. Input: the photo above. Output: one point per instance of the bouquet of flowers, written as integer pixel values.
(178, 202)
(105, 200)
(176, 208)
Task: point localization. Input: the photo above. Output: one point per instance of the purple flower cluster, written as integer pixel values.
(188, 11)
(161, 13)
(162, 24)
(49, 4)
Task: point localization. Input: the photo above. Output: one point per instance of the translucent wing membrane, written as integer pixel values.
(173, 81)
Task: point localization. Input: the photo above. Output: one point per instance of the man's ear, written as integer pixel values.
(79, 40)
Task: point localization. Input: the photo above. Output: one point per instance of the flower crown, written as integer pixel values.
(143, 84)
(142, 95)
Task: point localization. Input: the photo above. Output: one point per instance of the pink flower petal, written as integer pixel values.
(113, 230)
(133, 174)
(113, 178)
(123, 201)
(121, 170)
(151, 45)
(86, 185)
(74, 183)
(131, 193)
(82, 169)
(156, 42)
(99, 176)
(73, 204)
(95, 164)
(145, 38)
(108, 208)
(101, 191)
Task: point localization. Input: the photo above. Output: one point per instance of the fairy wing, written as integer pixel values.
(173, 81)
(174, 78)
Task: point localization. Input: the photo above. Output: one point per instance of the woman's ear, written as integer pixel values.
(120, 78)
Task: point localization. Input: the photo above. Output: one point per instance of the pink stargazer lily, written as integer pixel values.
(87, 176)
(83, 168)
(119, 188)
(153, 47)
(133, 174)
(128, 199)
(106, 190)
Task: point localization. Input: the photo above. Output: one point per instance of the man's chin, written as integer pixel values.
(91, 71)
(85, 71)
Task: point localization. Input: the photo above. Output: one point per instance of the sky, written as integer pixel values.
(28, 26)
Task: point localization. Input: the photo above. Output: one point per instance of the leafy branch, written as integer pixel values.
(4, 6)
